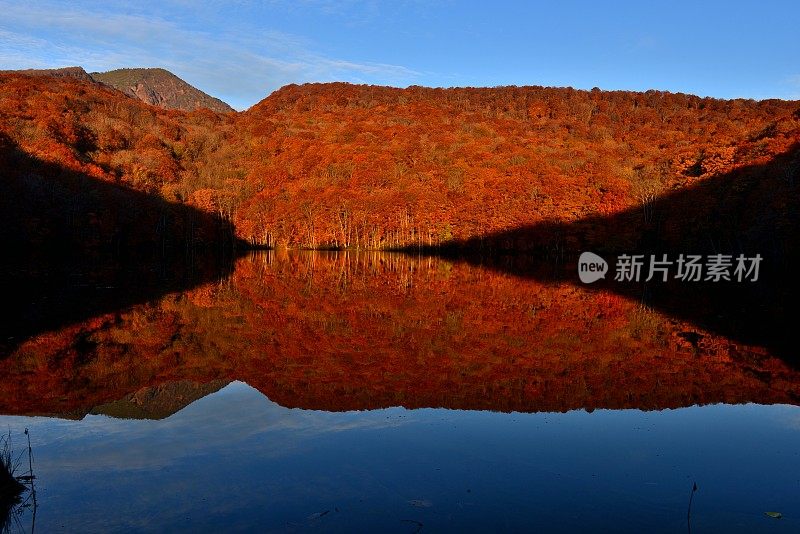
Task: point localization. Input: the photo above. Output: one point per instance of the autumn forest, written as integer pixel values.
(399, 266)
(336, 166)
(461, 180)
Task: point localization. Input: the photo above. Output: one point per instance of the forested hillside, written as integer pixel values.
(339, 165)
(87, 169)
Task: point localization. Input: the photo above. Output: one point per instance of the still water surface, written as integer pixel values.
(325, 392)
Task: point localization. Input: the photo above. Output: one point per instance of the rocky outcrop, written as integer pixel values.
(161, 88)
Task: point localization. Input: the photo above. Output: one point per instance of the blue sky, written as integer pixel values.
(241, 51)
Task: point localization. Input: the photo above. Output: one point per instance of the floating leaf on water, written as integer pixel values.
(774, 515)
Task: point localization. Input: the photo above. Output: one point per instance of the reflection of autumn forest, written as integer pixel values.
(341, 331)
(338, 165)
(151, 203)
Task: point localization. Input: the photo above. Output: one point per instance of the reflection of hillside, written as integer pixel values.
(751, 210)
(339, 331)
(158, 402)
(76, 246)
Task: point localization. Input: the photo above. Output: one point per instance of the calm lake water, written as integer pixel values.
(385, 392)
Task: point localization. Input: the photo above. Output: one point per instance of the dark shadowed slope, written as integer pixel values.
(75, 246)
(752, 210)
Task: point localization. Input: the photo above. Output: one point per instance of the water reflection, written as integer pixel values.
(389, 392)
(364, 331)
(234, 460)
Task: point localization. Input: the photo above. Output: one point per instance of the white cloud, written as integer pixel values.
(238, 64)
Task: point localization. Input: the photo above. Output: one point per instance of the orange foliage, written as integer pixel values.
(339, 165)
(368, 330)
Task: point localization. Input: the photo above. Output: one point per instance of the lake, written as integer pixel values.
(299, 391)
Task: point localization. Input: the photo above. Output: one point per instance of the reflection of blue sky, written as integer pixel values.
(234, 458)
(108, 443)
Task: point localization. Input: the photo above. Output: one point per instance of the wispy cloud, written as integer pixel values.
(235, 62)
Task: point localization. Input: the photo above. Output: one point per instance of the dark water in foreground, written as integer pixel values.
(384, 393)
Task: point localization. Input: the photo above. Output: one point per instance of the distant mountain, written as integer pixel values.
(161, 88)
(157, 87)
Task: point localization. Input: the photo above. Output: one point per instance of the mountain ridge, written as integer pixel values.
(160, 87)
(76, 72)
(155, 86)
